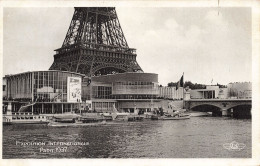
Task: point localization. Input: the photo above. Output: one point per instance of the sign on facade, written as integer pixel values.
(74, 89)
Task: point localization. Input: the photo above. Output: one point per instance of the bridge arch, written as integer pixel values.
(241, 111)
(240, 107)
(235, 105)
(205, 108)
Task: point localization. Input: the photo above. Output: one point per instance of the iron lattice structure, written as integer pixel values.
(95, 44)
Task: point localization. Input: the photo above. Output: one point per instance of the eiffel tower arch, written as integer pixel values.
(95, 44)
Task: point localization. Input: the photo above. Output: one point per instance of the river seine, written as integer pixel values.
(198, 137)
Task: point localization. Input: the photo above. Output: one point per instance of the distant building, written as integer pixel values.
(240, 90)
(4, 89)
(223, 93)
(211, 92)
(171, 92)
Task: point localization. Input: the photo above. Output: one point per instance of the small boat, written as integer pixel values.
(25, 118)
(121, 118)
(125, 116)
(86, 119)
(57, 124)
(135, 118)
(198, 114)
(68, 117)
(156, 117)
(107, 116)
(176, 117)
(148, 115)
(129, 118)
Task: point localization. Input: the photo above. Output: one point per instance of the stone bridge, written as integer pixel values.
(222, 104)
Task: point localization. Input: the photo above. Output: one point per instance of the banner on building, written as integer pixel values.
(74, 89)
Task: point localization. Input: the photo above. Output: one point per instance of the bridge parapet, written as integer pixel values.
(223, 104)
(219, 100)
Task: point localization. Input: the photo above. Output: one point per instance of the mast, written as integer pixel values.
(183, 91)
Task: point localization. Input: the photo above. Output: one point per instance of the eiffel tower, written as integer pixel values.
(95, 44)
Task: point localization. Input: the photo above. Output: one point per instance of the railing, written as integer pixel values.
(94, 46)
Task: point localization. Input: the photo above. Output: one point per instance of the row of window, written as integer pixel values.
(19, 86)
(43, 82)
(103, 53)
(135, 96)
(134, 83)
(103, 105)
(27, 117)
(150, 87)
(101, 92)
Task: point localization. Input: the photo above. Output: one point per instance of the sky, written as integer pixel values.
(203, 43)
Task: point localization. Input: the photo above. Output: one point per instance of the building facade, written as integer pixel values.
(4, 89)
(237, 90)
(50, 92)
(171, 93)
(126, 91)
(211, 92)
(46, 91)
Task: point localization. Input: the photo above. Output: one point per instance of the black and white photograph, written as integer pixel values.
(88, 81)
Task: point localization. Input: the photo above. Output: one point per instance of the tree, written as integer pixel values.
(172, 84)
(221, 86)
(193, 85)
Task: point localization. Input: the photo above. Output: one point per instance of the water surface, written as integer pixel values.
(198, 137)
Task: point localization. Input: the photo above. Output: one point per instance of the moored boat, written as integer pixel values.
(65, 118)
(198, 114)
(176, 117)
(57, 124)
(156, 117)
(25, 118)
(135, 118)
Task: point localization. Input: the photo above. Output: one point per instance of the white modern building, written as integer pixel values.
(237, 90)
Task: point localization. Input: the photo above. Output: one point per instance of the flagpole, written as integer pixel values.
(183, 90)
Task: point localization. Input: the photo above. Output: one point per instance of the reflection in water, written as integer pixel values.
(198, 137)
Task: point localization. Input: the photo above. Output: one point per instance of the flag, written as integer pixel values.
(89, 81)
(180, 83)
(211, 80)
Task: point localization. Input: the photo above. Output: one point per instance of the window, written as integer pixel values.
(4, 87)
